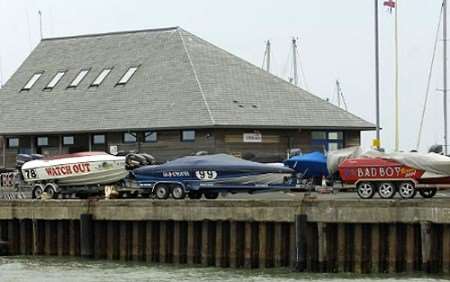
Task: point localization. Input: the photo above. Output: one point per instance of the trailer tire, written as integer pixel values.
(51, 189)
(407, 190)
(365, 190)
(178, 192)
(386, 190)
(211, 195)
(38, 189)
(194, 195)
(427, 192)
(162, 192)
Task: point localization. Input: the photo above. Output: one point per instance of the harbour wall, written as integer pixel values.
(310, 235)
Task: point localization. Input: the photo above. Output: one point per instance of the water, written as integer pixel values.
(16, 269)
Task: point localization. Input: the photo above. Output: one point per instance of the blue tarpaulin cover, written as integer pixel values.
(311, 165)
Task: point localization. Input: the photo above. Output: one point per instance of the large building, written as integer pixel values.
(162, 91)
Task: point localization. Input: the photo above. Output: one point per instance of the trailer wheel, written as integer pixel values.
(386, 190)
(51, 190)
(365, 190)
(407, 190)
(38, 189)
(162, 192)
(211, 195)
(427, 192)
(178, 192)
(194, 195)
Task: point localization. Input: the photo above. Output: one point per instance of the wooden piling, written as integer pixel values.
(233, 245)
(149, 239)
(50, 237)
(278, 245)
(300, 242)
(323, 246)
(112, 240)
(341, 243)
(123, 240)
(375, 248)
(86, 236)
(206, 244)
(425, 232)
(248, 245)
(262, 230)
(13, 236)
(26, 237)
(219, 245)
(410, 248)
(177, 242)
(190, 243)
(74, 238)
(100, 239)
(357, 248)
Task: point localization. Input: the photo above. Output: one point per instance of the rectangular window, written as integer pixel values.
(68, 140)
(13, 142)
(319, 135)
(32, 81)
(78, 78)
(188, 135)
(151, 136)
(42, 141)
(99, 139)
(127, 75)
(101, 77)
(327, 140)
(129, 137)
(335, 135)
(55, 80)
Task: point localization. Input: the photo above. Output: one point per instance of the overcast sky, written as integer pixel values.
(335, 41)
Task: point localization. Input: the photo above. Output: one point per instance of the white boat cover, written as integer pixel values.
(429, 162)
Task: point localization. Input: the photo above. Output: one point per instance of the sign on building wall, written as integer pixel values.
(252, 137)
(113, 150)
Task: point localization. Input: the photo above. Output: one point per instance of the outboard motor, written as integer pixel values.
(133, 160)
(21, 159)
(438, 149)
(149, 158)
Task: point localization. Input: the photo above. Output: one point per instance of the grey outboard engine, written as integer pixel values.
(133, 160)
(438, 149)
(21, 159)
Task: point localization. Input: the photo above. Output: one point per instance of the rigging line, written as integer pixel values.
(264, 59)
(430, 72)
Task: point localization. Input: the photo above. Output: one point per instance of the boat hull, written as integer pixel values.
(76, 171)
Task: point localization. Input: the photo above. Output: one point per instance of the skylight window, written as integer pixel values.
(127, 75)
(32, 81)
(101, 77)
(55, 80)
(78, 78)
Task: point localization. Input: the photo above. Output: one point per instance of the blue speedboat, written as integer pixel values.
(309, 165)
(216, 173)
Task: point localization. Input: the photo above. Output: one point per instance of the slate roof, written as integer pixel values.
(182, 82)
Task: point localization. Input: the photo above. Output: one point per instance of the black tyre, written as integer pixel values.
(51, 189)
(386, 190)
(211, 195)
(427, 192)
(178, 192)
(407, 190)
(193, 195)
(38, 189)
(162, 192)
(365, 190)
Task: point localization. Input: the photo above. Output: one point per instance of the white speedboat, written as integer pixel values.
(88, 168)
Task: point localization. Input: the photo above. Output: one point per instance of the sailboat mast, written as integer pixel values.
(268, 56)
(294, 58)
(377, 79)
(338, 92)
(445, 74)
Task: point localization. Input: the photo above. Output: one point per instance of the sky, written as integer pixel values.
(335, 39)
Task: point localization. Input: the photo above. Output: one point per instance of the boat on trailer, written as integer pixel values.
(209, 175)
(84, 169)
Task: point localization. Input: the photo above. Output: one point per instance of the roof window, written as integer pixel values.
(32, 81)
(55, 80)
(126, 77)
(101, 77)
(78, 78)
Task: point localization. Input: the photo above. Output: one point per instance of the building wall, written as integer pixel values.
(273, 145)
